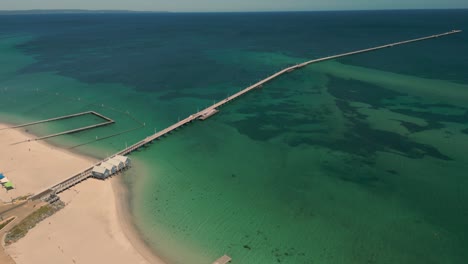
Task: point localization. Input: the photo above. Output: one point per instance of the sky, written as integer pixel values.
(230, 5)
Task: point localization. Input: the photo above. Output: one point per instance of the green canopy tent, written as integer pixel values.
(9, 185)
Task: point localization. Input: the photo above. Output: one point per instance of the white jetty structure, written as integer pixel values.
(100, 172)
(124, 159)
(111, 167)
(119, 164)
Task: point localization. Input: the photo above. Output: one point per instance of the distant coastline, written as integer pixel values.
(70, 11)
(87, 11)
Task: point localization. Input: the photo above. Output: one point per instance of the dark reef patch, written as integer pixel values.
(414, 128)
(363, 140)
(360, 138)
(434, 120)
(357, 91)
(265, 122)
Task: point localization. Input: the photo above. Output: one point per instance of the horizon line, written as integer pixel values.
(225, 11)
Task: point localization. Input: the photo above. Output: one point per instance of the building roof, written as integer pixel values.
(122, 158)
(100, 169)
(108, 165)
(115, 162)
(4, 180)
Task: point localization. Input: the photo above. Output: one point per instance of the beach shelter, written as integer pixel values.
(100, 172)
(2, 176)
(4, 180)
(9, 185)
(111, 167)
(119, 164)
(124, 159)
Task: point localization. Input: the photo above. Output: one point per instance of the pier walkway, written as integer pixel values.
(223, 260)
(209, 111)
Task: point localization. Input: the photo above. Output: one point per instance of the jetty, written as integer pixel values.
(60, 118)
(208, 114)
(107, 121)
(223, 260)
(213, 109)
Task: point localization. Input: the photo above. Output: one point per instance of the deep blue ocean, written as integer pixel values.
(357, 160)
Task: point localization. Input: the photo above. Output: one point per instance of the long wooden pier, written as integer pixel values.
(209, 111)
(214, 107)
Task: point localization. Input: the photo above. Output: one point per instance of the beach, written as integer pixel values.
(34, 166)
(94, 226)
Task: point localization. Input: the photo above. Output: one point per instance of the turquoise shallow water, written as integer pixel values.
(319, 192)
(361, 160)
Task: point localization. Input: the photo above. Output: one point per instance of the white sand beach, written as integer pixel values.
(92, 228)
(34, 166)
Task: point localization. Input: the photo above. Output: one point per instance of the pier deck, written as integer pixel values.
(208, 114)
(223, 260)
(209, 111)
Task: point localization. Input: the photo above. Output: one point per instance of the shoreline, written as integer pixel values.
(125, 218)
(117, 220)
(48, 163)
(4, 126)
